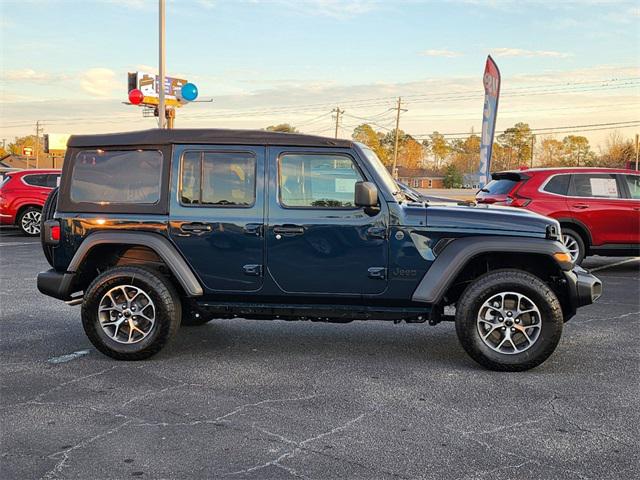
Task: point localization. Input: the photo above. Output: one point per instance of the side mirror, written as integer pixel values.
(366, 194)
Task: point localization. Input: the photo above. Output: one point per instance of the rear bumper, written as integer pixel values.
(55, 284)
(584, 288)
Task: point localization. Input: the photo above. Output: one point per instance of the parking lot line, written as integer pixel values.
(615, 264)
(17, 243)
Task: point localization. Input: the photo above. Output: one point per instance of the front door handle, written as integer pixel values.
(580, 206)
(288, 230)
(195, 227)
(377, 232)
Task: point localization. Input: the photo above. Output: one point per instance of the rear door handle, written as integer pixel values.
(581, 206)
(377, 232)
(195, 227)
(253, 229)
(288, 230)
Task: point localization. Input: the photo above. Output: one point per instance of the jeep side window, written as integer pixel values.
(116, 176)
(218, 179)
(317, 181)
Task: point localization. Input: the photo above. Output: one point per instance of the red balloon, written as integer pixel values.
(136, 96)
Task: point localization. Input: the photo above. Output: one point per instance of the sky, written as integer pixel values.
(563, 64)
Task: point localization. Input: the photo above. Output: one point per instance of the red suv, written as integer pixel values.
(598, 208)
(22, 195)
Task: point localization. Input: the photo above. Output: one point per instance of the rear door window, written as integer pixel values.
(558, 184)
(595, 185)
(116, 177)
(633, 184)
(52, 181)
(221, 179)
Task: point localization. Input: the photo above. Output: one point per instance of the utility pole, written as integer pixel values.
(38, 130)
(637, 149)
(394, 170)
(338, 112)
(162, 115)
(533, 142)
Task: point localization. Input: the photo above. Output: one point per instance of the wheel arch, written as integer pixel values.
(579, 227)
(466, 258)
(20, 210)
(107, 249)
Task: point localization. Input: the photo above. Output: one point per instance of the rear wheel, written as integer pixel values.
(574, 243)
(29, 221)
(48, 211)
(130, 313)
(509, 320)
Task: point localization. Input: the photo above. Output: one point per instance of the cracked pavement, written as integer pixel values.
(244, 399)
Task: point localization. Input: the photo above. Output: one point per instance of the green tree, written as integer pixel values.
(366, 134)
(452, 177)
(551, 152)
(577, 151)
(282, 127)
(439, 147)
(517, 141)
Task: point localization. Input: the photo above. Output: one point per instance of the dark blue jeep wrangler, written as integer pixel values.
(156, 228)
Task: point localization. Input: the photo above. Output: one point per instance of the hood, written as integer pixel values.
(489, 219)
(477, 219)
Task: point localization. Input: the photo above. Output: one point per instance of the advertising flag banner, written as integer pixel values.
(491, 80)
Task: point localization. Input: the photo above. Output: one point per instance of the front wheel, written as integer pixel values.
(509, 320)
(574, 243)
(130, 313)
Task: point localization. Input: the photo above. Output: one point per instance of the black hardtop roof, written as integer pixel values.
(157, 136)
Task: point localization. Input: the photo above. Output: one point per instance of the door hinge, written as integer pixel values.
(378, 273)
(253, 270)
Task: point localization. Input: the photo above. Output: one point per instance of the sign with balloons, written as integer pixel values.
(143, 89)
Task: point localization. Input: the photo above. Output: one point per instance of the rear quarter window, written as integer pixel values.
(116, 177)
(558, 184)
(36, 180)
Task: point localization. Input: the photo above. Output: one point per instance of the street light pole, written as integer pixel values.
(162, 112)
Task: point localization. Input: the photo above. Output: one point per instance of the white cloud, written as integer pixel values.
(99, 82)
(520, 52)
(441, 53)
(26, 75)
(338, 9)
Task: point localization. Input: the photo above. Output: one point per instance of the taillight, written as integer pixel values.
(517, 201)
(51, 232)
(54, 233)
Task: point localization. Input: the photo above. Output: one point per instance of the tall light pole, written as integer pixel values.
(162, 112)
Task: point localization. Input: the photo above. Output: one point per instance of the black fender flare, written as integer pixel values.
(450, 262)
(159, 244)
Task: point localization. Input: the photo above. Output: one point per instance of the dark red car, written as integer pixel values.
(598, 208)
(22, 195)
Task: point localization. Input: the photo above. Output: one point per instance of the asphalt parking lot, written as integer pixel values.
(257, 399)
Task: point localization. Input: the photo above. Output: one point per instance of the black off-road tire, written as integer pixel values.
(48, 211)
(576, 237)
(488, 285)
(162, 293)
(25, 213)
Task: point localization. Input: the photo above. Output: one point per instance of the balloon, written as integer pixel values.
(189, 92)
(136, 96)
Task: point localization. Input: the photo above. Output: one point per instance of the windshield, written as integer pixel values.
(381, 170)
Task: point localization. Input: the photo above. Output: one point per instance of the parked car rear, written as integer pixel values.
(598, 208)
(22, 195)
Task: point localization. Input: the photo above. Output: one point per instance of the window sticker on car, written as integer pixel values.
(346, 185)
(604, 187)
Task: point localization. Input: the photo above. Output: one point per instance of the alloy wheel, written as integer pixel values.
(30, 222)
(509, 323)
(572, 245)
(126, 314)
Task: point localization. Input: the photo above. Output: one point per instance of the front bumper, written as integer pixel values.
(584, 288)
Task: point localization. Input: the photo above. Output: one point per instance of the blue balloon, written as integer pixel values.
(189, 92)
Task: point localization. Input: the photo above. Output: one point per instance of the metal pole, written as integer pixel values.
(394, 168)
(37, 142)
(637, 149)
(162, 115)
(533, 142)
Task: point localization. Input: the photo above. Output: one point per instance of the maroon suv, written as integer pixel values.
(598, 208)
